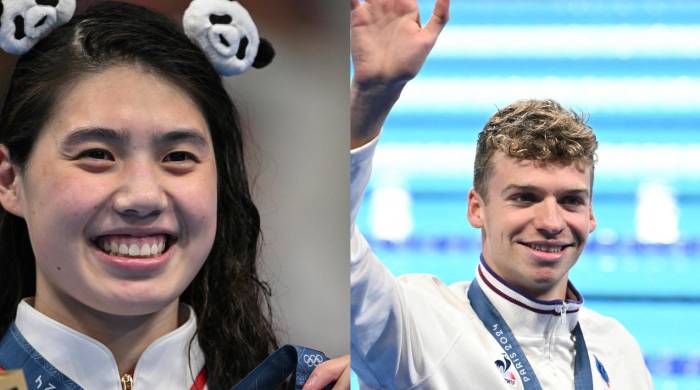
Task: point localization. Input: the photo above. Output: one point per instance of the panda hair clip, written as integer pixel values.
(223, 29)
(23, 23)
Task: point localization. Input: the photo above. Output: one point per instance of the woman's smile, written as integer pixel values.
(134, 256)
(132, 247)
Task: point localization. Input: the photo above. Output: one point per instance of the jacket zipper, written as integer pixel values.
(551, 337)
(127, 382)
(563, 312)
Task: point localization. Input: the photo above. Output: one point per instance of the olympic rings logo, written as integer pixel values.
(313, 360)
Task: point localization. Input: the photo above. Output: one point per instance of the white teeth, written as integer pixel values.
(546, 248)
(133, 247)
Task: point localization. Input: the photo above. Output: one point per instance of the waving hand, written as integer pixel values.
(389, 46)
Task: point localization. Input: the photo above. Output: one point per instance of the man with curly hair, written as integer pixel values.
(520, 324)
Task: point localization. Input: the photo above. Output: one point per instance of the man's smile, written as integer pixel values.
(548, 246)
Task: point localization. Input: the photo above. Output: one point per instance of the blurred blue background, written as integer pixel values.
(633, 67)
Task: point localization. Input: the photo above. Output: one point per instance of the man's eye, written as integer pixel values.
(97, 154)
(180, 156)
(524, 198)
(573, 200)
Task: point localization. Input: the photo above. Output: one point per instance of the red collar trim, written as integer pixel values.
(200, 381)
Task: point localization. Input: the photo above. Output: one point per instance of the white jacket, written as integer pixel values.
(415, 332)
(164, 365)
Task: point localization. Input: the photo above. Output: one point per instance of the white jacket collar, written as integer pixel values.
(86, 361)
(525, 314)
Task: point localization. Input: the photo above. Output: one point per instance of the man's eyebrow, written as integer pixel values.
(101, 134)
(528, 188)
(519, 188)
(576, 190)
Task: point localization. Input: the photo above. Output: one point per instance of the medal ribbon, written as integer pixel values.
(501, 332)
(276, 368)
(17, 353)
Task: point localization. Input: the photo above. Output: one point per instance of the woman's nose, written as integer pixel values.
(141, 194)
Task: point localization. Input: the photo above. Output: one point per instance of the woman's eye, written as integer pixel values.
(180, 156)
(97, 154)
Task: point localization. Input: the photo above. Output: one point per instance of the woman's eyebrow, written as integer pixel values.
(182, 135)
(100, 134)
(112, 136)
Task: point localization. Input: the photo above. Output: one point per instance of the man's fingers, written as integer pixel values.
(344, 380)
(327, 373)
(441, 14)
(354, 4)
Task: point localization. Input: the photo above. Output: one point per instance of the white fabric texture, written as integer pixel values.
(164, 365)
(415, 332)
(37, 22)
(210, 37)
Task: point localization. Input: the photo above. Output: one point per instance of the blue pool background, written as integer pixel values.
(634, 69)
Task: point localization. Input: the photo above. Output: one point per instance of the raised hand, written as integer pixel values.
(389, 46)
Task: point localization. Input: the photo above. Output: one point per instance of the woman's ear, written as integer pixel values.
(9, 184)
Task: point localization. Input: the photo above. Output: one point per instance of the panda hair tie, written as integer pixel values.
(24, 22)
(223, 29)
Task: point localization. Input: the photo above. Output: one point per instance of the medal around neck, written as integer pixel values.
(24, 22)
(226, 33)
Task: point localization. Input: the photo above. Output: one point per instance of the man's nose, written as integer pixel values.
(141, 194)
(549, 220)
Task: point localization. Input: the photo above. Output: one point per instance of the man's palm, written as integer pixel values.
(389, 45)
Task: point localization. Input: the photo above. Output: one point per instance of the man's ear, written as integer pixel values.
(593, 222)
(9, 184)
(475, 209)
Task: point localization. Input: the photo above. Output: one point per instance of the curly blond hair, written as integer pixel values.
(538, 130)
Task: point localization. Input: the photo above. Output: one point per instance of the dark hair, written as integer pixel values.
(231, 302)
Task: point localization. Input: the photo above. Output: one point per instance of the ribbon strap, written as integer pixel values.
(501, 332)
(274, 370)
(16, 352)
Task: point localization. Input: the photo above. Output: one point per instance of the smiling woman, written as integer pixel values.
(126, 211)
(150, 184)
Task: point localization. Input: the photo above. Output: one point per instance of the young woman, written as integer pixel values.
(128, 237)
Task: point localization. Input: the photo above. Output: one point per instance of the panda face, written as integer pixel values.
(24, 22)
(225, 32)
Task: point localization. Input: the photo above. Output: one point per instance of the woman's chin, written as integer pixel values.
(139, 298)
